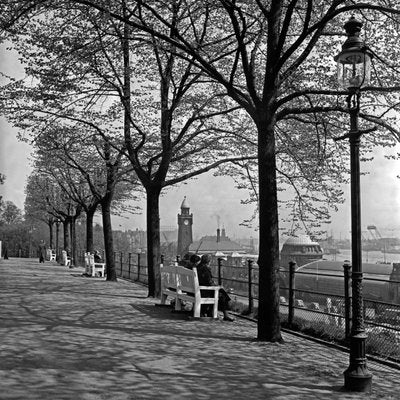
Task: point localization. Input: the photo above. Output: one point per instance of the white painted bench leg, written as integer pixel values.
(197, 308)
(215, 305)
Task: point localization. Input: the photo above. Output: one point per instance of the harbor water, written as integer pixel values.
(367, 256)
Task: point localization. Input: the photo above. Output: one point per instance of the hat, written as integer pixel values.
(194, 258)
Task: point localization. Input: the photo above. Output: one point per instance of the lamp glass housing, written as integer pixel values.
(353, 68)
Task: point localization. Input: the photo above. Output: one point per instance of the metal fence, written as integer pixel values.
(321, 313)
(132, 266)
(315, 312)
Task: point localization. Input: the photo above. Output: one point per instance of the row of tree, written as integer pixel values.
(127, 97)
(16, 233)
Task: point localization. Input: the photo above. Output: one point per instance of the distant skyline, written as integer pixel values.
(212, 199)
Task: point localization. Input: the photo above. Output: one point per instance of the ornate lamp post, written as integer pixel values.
(354, 68)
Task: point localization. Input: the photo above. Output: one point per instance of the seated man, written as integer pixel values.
(206, 279)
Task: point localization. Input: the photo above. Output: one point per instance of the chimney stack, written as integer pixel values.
(218, 235)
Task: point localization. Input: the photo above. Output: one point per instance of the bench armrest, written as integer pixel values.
(210, 287)
(100, 264)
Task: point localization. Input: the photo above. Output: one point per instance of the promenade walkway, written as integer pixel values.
(65, 336)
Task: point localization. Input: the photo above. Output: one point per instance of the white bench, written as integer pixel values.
(52, 255)
(92, 267)
(87, 264)
(182, 284)
(66, 260)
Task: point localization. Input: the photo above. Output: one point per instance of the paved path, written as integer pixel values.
(64, 336)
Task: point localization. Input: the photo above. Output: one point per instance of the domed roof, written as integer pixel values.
(300, 240)
(184, 203)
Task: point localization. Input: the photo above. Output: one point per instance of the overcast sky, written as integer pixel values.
(213, 199)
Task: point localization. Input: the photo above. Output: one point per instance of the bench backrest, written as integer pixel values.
(187, 279)
(91, 261)
(168, 276)
(180, 278)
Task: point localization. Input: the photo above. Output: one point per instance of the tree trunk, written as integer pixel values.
(57, 240)
(67, 242)
(51, 234)
(153, 241)
(268, 260)
(89, 230)
(74, 250)
(108, 240)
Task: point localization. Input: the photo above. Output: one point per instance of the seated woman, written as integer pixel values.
(193, 261)
(190, 260)
(97, 257)
(206, 279)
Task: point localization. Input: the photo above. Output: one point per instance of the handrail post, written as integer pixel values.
(347, 301)
(292, 270)
(162, 259)
(219, 261)
(250, 283)
(178, 259)
(120, 259)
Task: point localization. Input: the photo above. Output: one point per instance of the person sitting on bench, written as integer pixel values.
(205, 279)
(96, 256)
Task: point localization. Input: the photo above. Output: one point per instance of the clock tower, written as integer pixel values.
(185, 222)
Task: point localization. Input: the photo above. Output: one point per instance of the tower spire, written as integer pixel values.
(185, 203)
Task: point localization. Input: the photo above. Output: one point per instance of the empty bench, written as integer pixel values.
(65, 259)
(182, 284)
(51, 255)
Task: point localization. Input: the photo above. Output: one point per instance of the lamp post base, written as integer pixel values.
(357, 377)
(357, 380)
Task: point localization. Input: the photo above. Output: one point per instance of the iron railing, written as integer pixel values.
(326, 314)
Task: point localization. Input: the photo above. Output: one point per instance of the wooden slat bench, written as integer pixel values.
(65, 259)
(53, 255)
(93, 267)
(182, 284)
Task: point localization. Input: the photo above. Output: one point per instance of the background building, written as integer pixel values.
(300, 249)
(216, 244)
(185, 234)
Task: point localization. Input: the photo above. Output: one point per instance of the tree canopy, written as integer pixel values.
(274, 60)
(10, 214)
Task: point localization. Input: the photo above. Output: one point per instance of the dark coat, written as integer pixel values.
(42, 252)
(206, 279)
(205, 275)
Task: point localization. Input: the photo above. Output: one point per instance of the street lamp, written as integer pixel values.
(354, 70)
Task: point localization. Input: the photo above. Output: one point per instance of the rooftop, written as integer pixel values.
(300, 240)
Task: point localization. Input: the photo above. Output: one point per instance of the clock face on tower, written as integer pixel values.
(186, 221)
